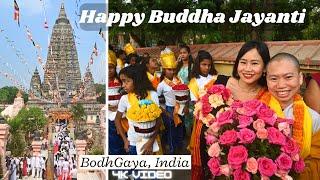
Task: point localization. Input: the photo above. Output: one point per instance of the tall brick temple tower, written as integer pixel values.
(62, 77)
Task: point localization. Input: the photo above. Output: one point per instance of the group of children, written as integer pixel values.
(141, 76)
(275, 81)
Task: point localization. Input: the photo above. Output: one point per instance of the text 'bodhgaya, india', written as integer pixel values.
(199, 16)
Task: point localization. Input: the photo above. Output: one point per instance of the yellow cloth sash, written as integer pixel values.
(194, 87)
(153, 79)
(132, 99)
(305, 145)
(176, 118)
(312, 162)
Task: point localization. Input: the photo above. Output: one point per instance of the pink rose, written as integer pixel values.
(258, 124)
(299, 166)
(246, 136)
(253, 104)
(285, 128)
(295, 157)
(246, 111)
(290, 147)
(226, 94)
(282, 173)
(210, 139)
(206, 107)
(289, 121)
(275, 136)
(284, 162)
(251, 107)
(239, 174)
(207, 119)
(237, 155)
(228, 137)
(262, 133)
(225, 117)
(216, 89)
(244, 121)
(214, 150)
(225, 170)
(236, 104)
(267, 115)
(214, 166)
(213, 128)
(266, 166)
(252, 165)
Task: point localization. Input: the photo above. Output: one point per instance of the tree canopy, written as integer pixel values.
(149, 34)
(26, 122)
(8, 93)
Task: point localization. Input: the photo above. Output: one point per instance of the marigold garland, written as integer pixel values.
(298, 114)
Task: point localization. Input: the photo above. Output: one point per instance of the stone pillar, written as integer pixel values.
(104, 136)
(4, 133)
(81, 147)
(36, 147)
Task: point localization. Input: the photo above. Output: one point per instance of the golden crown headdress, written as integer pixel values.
(112, 58)
(129, 49)
(168, 59)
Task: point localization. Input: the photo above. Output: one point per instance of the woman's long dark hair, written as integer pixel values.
(263, 51)
(141, 82)
(190, 61)
(202, 54)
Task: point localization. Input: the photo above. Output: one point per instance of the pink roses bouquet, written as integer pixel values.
(247, 140)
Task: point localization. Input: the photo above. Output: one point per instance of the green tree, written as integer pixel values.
(148, 34)
(101, 90)
(16, 143)
(79, 115)
(31, 119)
(7, 95)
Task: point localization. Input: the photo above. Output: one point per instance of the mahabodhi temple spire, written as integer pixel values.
(62, 77)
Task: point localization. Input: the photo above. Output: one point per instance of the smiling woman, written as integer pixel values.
(248, 76)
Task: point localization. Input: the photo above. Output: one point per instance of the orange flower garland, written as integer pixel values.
(298, 114)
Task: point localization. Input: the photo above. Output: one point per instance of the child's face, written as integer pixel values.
(111, 70)
(153, 64)
(205, 66)
(127, 83)
(284, 81)
(250, 67)
(184, 54)
(133, 61)
(169, 72)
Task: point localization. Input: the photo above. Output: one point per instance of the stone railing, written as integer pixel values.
(6, 175)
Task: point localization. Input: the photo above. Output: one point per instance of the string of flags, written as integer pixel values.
(102, 34)
(94, 52)
(16, 14)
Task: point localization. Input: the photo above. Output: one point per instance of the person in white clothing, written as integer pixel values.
(29, 165)
(73, 173)
(65, 169)
(42, 166)
(37, 166)
(33, 166)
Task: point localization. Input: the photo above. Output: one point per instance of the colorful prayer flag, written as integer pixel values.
(46, 26)
(16, 15)
(102, 34)
(95, 49)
